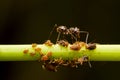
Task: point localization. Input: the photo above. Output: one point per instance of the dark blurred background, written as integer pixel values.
(28, 21)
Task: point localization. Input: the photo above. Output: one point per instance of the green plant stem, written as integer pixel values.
(103, 52)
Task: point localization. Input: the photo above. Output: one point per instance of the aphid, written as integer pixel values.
(48, 43)
(25, 51)
(63, 43)
(37, 49)
(34, 45)
(44, 58)
(80, 60)
(49, 54)
(75, 46)
(91, 46)
(32, 53)
(50, 67)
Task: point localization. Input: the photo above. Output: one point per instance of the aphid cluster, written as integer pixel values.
(52, 64)
(34, 50)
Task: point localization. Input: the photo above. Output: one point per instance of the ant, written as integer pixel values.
(73, 31)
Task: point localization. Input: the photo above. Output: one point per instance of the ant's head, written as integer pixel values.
(62, 29)
(74, 30)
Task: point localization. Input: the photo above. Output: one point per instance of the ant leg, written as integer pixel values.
(89, 64)
(73, 36)
(52, 31)
(87, 59)
(87, 34)
(58, 37)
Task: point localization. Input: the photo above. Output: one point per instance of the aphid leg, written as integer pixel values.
(87, 34)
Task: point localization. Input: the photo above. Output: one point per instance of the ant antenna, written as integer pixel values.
(52, 31)
(87, 34)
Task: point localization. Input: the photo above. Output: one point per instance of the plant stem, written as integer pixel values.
(103, 52)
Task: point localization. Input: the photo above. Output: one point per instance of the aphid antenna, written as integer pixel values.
(87, 34)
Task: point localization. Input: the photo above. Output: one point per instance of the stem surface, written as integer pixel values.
(103, 52)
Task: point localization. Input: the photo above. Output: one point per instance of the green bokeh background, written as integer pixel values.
(28, 21)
